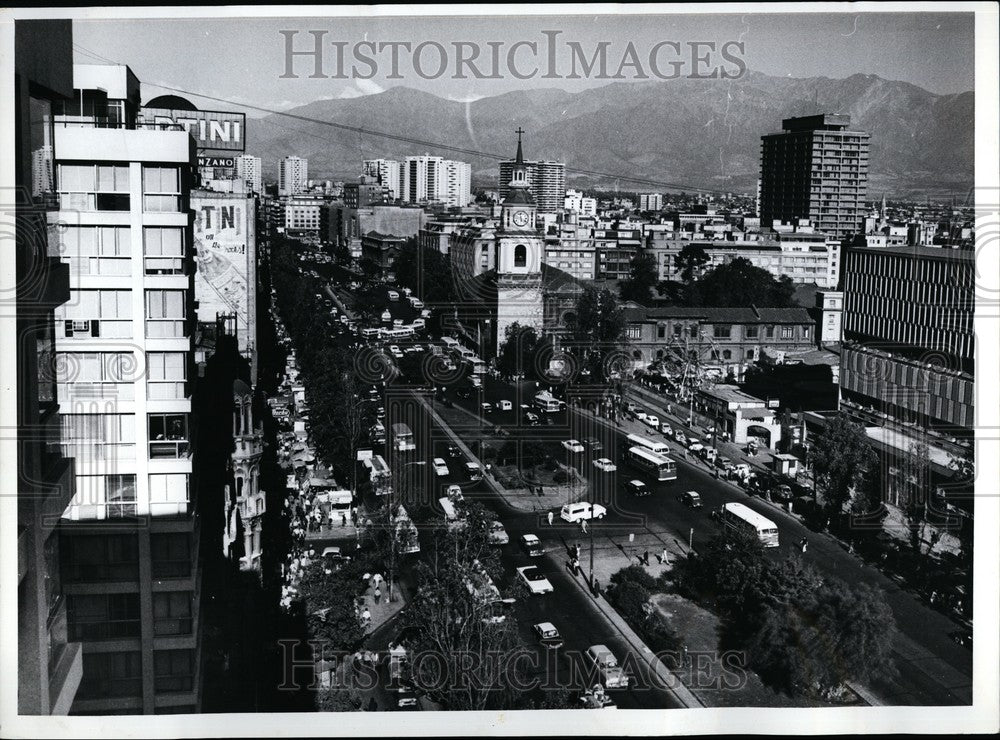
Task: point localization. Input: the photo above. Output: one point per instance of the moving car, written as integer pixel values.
(548, 635)
(531, 418)
(652, 421)
(680, 439)
(572, 445)
(640, 415)
(455, 492)
(638, 488)
(694, 446)
(531, 545)
(690, 498)
(393, 295)
(593, 444)
(505, 405)
(535, 580)
(573, 513)
(724, 464)
(498, 535)
(441, 467)
(486, 407)
(666, 430)
(603, 463)
(611, 674)
(782, 492)
(473, 471)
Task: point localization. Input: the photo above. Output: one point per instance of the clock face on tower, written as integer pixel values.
(520, 218)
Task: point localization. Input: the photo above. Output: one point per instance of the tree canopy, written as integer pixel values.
(643, 276)
(841, 455)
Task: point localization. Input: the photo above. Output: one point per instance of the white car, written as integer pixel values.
(695, 446)
(573, 513)
(603, 463)
(640, 415)
(652, 421)
(666, 430)
(498, 535)
(440, 467)
(455, 492)
(612, 675)
(396, 323)
(680, 439)
(394, 348)
(505, 405)
(573, 445)
(486, 407)
(535, 580)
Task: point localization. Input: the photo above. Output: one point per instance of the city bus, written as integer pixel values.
(548, 403)
(400, 332)
(477, 366)
(402, 438)
(660, 448)
(740, 518)
(659, 466)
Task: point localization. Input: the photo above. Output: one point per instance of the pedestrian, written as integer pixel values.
(686, 657)
(551, 515)
(663, 557)
(597, 587)
(343, 518)
(803, 543)
(377, 579)
(372, 705)
(576, 566)
(378, 595)
(583, 525)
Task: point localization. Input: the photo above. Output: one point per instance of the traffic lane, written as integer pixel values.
(564, 607)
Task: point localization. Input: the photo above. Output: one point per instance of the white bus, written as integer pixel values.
(548, 403)
(402, 438)
(477, 366)
(400, 332)
(659, 466)
(660, 448)
(465, 353)
(370, 333)
(740, 518)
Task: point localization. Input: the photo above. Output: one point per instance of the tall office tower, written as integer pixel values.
(816, 169)
(249, 170)
(389, 173)
(124, 353)
(456, 187)
(546, 181)
(293, 175)
(49, 664)
(422, 178)
(908, 358)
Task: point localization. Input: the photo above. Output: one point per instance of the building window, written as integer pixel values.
(161, 188)
(168, 435)
(520, 256)
(96, 313)
(693, 331)
(170, 554)
(635, 331)
(168, 493)
(805, 333)
(171, 613)
(727, 354)
(661, 331)
(751, 331)
(678, 329)
(93, 375)
(111, 675)
(722, 331)
(98, 437)
(166, 312)
(750, 353)
(173, 670)
(120, 495)
(769, 332)
(103, 616)
(96, 250)
(166, 375)
(93, 187)
(787, 332)
(163, 248)
(90, 559)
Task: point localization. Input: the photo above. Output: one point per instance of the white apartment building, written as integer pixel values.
(650, 201)
(456, 190)
(123, 369)
(389, 173)
(293, 175)
(250, 171)
(576, 202)
(427, 179)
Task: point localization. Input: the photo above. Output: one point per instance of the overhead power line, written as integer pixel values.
(363, 131)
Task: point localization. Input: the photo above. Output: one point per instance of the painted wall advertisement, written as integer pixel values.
(225, 281)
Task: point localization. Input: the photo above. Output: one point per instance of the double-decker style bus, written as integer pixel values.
(660, 448)
(548, 403)
(740, 518)
(402, 438)
(660, 467)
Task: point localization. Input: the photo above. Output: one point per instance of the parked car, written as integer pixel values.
(548, 635)
(605, 465)
(572, 445)
(710, 454)
(640, 415)
(691, 499)
(535, 580)
(593, 444)
(498, 535)
(724, 464)
(505, 405)
(573, 513)
(486, 407)
(694, 445)
(455, 492)
(531, 545)
(652, 421)
(666, 430)
(531, 418)
(680, 439)
(473, 471)
(441, 467)
(782, 492)
(638, 488)
(611, 674)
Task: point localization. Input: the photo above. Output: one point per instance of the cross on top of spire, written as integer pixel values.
(519, 159)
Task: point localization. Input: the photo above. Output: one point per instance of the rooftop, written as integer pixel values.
(735, 315)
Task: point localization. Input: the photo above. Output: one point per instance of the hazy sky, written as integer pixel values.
(242, 60)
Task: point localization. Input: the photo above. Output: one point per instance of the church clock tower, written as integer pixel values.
(519, 249)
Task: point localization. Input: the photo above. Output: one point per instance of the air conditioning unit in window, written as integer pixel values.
(76, 328)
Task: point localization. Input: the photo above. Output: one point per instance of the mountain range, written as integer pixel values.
(674, 135)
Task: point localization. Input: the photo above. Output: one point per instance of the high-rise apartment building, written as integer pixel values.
(389, 174)
(456, 185)
(124, 354)
(816, 168)
(427, 179)
(546, 181)
(650, 201)
(49, 664)
(249, 170)
(293, 175)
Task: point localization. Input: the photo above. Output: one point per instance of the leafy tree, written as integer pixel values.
(642, 278)
(518, 353)
(690, 261)
(964, 481)
(328, 601)
(426, 272)
(731, 572)
(867, 506)
(740, 283)
(840, 457)
(915, 466)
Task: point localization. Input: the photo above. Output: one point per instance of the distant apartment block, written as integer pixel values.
(546, 182)
(250, 171)
(650, 201)
(293, 175)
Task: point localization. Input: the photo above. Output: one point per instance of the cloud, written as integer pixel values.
(471, 98)
(361, 88)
